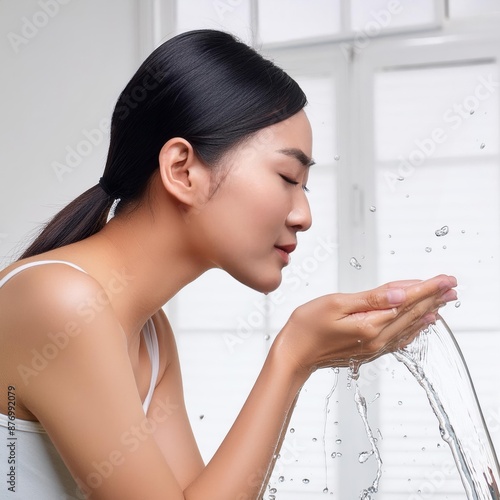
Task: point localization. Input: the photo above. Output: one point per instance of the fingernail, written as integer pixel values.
(396, 295)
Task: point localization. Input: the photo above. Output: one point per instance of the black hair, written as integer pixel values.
(204, 86)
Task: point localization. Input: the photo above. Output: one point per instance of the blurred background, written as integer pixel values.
(404, 104)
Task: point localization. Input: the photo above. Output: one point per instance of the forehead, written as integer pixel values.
(292, 137)
(293, 133)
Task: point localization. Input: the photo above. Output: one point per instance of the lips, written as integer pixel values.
(287, 248)
(285, 251)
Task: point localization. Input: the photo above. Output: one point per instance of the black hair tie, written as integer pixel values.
(106, 188)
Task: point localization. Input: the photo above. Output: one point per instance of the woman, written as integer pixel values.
(209, 158)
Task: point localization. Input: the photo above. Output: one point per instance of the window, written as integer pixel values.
(430, 186)
(405, 110)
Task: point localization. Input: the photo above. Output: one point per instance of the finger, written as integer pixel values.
(411, 319)
(439, 289)
(390, 325)
(381, 298)
(397, 293)
(400, 283)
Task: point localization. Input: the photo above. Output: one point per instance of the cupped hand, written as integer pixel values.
(334, 329)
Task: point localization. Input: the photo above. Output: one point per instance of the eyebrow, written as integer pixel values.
(298, 154)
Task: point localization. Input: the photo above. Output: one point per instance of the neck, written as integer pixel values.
(139, 263)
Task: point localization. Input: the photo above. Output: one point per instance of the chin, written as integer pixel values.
(264, 278)
(266, 284)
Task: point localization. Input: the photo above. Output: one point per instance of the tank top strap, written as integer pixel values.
(19, 269)
(151, 339)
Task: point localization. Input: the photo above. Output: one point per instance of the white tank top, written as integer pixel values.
(30, 467)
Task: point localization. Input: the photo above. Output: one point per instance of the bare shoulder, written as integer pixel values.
(45, 310)
(47, 283)
(67, 366)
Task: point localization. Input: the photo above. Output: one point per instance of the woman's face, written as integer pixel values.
(249, 226)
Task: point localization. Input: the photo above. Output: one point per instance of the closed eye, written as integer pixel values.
(292, 182)
(287, 179)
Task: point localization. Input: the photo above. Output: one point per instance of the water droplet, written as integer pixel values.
(273, 490)
(281, 479)
(462, 231)
(305, 480)
(339, 454)
(458, 303)
(267, 337)
(390, 235)
(339, 441)
(400, 403)
(202, 417)
(405, 436)
(439, 445)
(292, 430)
(442, 232)
(482, 145)
(314, 440)
(354, 263)
(334, 454)
(392, 252)
(407, 196)
(336, 157)
(423, 448)
(364, 456)
(471, 111)
(373, 209)
(444, 247)
(428, 249)
(401, 178)
(335, 423)
(325, 490)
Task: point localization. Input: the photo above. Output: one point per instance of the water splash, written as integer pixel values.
(361, 406)
(435, 360)
(354, 263)
(364, 456)
(327, 404)
(442, 231)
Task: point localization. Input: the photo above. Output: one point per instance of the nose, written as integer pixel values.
(300, 218)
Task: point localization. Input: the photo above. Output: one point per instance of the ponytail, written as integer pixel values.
(82, 218)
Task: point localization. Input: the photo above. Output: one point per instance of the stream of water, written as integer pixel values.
(436, 361)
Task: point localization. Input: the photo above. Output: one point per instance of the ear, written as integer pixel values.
(183, 175)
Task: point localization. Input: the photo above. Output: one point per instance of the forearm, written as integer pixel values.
(243, 462)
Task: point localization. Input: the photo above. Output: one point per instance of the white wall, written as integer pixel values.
(63, 64)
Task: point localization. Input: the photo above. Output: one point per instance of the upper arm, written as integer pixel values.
(74, 374)
(168, 416)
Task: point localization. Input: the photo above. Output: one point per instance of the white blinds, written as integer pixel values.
(436, 158)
